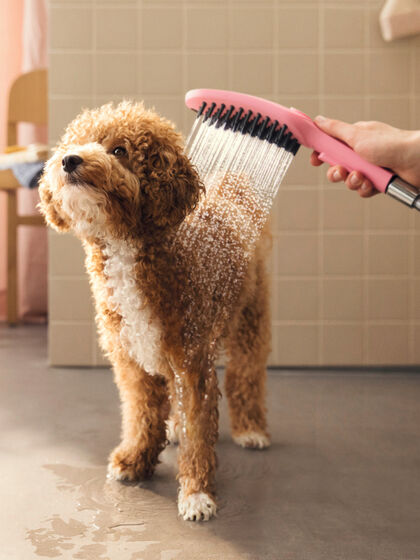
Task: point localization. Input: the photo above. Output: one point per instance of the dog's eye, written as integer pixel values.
(119, 151)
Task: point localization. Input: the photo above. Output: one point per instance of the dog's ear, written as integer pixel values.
(49, 208)
(172, 186)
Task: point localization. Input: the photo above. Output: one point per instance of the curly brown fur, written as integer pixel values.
(127, 206)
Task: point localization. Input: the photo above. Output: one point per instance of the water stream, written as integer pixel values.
(241, 174)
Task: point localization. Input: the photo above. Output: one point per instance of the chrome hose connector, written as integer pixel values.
(404, 192)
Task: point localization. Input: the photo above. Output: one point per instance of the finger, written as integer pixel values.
(355, 180)
(315, 159)
(339, 129)
(336, 173)
(367, 189)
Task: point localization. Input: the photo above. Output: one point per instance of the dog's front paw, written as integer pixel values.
(129, 465)
(252, 440)
(118, 471)
(197, 506)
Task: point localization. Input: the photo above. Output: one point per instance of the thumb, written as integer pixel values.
(339, 129)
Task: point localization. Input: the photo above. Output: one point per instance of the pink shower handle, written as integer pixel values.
(334, 152)
(331, 150)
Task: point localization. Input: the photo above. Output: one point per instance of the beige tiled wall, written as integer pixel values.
(346, 278)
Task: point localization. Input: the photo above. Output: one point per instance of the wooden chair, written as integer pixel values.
(27, 103)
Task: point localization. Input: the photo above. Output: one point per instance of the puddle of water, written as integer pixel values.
(110, 520)
(109, 517)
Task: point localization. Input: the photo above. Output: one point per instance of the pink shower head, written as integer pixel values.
(231, 108)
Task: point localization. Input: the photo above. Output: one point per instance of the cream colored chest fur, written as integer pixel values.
(140, 333)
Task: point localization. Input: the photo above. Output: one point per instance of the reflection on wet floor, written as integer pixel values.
(341, 480)
(107, 514)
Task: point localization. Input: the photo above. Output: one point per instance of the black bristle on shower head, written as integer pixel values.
(253, 128)
(254, 125)
(218, 114)
(286, 139)
(237, 120)
(209, 111)
(262, 129)
(244, 122)
(225, 118)
(271, 131)
(201, 109)
(294, 147)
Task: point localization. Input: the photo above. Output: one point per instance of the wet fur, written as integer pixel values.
(133, 206)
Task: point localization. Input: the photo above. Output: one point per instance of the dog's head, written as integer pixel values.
(118, 171)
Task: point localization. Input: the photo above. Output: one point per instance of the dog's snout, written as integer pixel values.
(71, 162)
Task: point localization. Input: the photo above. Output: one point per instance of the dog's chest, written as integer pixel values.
(140, 333)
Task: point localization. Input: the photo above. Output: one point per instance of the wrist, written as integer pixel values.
(409, 168)
(411, 148)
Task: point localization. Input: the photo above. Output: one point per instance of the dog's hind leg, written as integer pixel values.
(173, 421)
(144, 410)
(198, 431)
(247, 347)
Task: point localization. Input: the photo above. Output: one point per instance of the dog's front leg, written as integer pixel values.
(144, 410)
(197, 398)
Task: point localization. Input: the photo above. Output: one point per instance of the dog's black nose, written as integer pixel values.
(71, 162)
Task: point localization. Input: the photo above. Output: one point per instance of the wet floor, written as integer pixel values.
(340, 482)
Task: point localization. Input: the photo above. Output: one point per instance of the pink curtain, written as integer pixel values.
(23, 26)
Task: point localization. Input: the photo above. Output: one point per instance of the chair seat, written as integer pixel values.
(8, 181)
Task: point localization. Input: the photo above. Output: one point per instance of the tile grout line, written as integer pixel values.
(237, 50)
(299, 96)
(412, 218)
(366, 208)
(184, 65)
(276, 51)
(94, 102)
(94, 53)
(321, 191)
(139, 50)
(229, 46)
(274, 291)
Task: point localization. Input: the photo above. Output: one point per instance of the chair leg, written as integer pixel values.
(12, 312)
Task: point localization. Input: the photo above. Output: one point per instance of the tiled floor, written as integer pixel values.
(340, 482)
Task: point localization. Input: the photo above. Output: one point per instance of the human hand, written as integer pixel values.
(378, 143)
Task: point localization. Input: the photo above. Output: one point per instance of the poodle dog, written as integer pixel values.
(121, 182)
